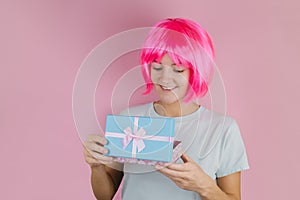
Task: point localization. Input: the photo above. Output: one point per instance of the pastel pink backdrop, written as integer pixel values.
(44, 42)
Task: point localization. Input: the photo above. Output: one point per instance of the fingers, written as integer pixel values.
(185, 158)
(98, 139)
(94, 147)
(179, 178)
(96, 143)
(186, 166)
(95, 151)
(179, 167)
(96, 158)
(170, 172)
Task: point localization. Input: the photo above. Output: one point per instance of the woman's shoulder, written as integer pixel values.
(215, 118)
(138, 110)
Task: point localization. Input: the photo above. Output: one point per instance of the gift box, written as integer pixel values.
(143, 140)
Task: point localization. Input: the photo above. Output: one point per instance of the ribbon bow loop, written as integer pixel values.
(135, 136)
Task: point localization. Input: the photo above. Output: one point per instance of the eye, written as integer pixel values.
(179, 70)
(156, 66)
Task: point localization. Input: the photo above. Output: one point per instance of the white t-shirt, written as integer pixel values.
(210, 139)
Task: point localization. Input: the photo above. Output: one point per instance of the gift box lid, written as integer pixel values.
(149, 138)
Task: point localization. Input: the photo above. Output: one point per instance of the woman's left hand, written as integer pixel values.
(187, 175)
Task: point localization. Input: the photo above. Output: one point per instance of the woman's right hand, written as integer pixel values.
(94, 150)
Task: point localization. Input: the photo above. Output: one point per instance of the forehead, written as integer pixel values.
(167, 60)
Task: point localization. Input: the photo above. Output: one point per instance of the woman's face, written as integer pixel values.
(170, 81)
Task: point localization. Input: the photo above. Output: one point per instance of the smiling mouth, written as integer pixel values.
(167, 88)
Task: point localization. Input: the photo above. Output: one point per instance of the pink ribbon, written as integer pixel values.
(136, 137)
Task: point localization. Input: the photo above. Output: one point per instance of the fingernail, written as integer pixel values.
(158, 167)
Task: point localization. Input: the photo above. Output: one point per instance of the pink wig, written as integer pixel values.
(188, 44)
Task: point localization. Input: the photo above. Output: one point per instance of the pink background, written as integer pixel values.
(43, 43)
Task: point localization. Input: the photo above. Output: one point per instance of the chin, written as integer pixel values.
(168, 100)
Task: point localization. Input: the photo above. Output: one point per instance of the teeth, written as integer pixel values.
(167, 88)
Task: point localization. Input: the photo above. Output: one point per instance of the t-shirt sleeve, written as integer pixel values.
(233, 156)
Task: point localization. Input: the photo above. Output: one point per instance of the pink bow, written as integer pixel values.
(136, 137)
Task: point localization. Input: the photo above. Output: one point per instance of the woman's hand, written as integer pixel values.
(94, 150)
(188, 175)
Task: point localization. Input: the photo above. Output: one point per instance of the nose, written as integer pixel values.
(166, 74)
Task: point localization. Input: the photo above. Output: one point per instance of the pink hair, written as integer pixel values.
(188, 44)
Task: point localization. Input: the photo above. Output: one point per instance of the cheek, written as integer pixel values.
(183, 79)
(187, 77)
(154, 77)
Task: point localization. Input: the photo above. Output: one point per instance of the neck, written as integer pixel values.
(175, 109)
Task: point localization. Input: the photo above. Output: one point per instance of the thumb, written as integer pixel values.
(186, 158)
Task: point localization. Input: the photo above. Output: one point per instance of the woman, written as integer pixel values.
(177, 61)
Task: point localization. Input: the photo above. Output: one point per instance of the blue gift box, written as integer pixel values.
(138, 137)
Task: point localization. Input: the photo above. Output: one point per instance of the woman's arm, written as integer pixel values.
(105, 181)
(190, 176)
(226, 188)
(105, 176)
